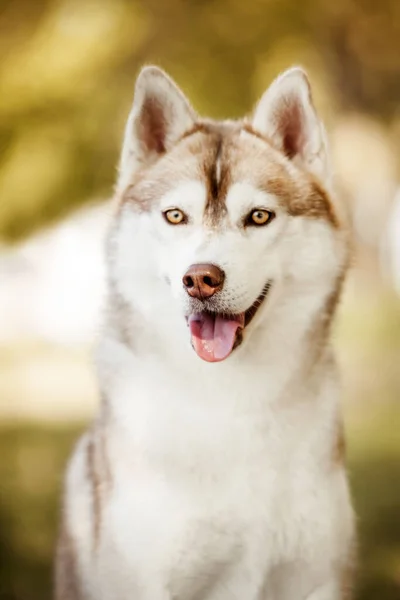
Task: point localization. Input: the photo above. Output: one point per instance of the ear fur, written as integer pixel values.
(287, 116)
(160, 115)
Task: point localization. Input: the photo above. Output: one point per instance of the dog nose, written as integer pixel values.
(202, 281)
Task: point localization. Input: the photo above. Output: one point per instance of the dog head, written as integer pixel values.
(215, 218)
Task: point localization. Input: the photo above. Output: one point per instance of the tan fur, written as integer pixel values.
(339, 448)
(243, 154)
(349, 573)
(299, 194)
(66, 575)
(93, 477)
(99, 476)
(217, 185)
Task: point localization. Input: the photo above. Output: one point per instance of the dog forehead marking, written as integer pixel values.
(247, 156)
(222, 153)
(216, 173)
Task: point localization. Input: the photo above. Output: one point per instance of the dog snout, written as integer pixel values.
(203, 281)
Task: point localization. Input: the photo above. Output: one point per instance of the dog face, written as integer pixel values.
(215, 218)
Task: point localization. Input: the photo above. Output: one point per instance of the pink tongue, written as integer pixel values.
(213, 337)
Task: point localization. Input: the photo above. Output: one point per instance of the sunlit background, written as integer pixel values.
(67, 70)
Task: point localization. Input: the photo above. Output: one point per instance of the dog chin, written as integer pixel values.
(215, 335)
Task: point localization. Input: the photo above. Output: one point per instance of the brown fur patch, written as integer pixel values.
(223, 153)
(315, 204)
(339, 446)
(349, 573)
(215, 169)
(66, 584)
(255, 159)
(99, 475)
(152, 126)
(184, 163)
(249, 129)
(290, 120)
(198, 127)
(320, 329)
(217, 177)
(332, 302)
(94, 479)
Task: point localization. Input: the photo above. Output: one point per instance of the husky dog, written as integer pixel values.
(214, 469)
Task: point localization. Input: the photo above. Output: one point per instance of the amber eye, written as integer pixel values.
(259, 217)
(175, 216)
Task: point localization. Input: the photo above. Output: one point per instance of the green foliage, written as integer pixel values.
(31, 469)
(374, 452)
(67, 69)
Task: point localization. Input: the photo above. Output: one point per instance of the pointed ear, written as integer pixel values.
(287, 116)
(160, 115)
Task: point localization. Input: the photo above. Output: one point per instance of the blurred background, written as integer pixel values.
(67, 70)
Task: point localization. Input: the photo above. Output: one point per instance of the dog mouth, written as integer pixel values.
(215, 335)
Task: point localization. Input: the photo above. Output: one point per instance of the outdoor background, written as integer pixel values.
(67, 70)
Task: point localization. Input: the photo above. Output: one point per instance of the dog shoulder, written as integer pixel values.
(86, 482)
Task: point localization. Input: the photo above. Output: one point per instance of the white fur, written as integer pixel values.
(222, 479)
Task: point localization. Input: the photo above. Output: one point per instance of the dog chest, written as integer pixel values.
(172, 526)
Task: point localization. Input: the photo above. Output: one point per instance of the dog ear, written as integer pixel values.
(286, 115)
(160, 115)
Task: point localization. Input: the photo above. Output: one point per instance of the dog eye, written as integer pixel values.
(259, 217)
(174, 216)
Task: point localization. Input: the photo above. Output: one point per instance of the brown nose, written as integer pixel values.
(202, 281)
